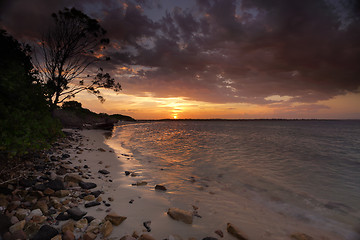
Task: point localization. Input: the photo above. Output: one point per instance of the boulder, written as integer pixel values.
(46, 232)
(180, 215)
(115, 219)
(106, 229)
(232, 230)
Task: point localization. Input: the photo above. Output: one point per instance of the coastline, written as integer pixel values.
(87, 153)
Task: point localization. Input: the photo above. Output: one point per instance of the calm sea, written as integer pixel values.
(308, 170)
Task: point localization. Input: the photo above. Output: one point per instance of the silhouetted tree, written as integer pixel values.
(25, 119)
(67, 50)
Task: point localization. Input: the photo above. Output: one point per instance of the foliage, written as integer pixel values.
(25, 123)
(68, 49)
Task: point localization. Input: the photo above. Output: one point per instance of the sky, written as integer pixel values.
(217, 58)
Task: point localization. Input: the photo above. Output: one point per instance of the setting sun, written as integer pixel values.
(175, 117)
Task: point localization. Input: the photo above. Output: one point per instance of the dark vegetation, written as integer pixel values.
(30, 93)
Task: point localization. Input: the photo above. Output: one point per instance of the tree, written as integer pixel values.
(68, 49)
(25, 119)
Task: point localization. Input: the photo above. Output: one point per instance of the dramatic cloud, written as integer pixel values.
(219, 50)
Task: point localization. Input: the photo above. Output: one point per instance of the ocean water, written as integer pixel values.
(303, 173)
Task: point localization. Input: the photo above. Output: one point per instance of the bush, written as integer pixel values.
(25, 119)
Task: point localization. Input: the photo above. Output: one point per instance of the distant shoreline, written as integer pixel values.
(240, 120)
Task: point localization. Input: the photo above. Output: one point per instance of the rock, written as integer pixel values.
(106, 228)
(14, 220)
(65, 156)
(62, 193)
(39, 219)
(133, 174)
(82, 223)
(103, 171)
(231, 229)
(39, 187)
(92, 204)
(127, 237)
(68, 226)
(87, 185)
(63, 216)
(97, 193)
(42, 205)
(56, 184)
(76, 214)
(73, 178)
(61, 171)
(31, 228)
(49, 191)
(27, 182)
(180, 215)
(127, 173)
(19, 235)
(68, 235)
(57, 237)
(160, 187)
(141, 183)
(301, 236)
(147, 225)
(101, 150)
(146, 237)
(89, 236)
(209, 238)
(220, 233)
(22, 213)
(89, 197)
(46, 232)
(115, 219)
(89, 219)
(99, 199)
(111, 199)
(17, 226)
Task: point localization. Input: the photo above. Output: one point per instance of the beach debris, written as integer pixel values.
(103, 171)
(147, 225)
(160, 187)
(146, 237)
(232, 230)
(180, 215)
(220, 233)
(301, 236)
(115, 219)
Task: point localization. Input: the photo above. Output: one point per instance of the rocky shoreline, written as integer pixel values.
(61, 197)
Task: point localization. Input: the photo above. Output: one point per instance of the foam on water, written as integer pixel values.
(303, 172)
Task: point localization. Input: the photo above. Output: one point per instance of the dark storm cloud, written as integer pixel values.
(220, 51)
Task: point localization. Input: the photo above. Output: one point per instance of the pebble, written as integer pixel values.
(87, 185)
(103, 171)
(45, 232)
(92, 204)
(160, 187)
(76, 214)
(147, 225)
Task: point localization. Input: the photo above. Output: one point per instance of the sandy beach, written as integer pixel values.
(141, 211)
